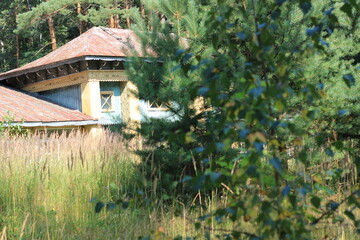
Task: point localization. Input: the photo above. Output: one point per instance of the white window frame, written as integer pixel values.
(112, 101)
(161, 107)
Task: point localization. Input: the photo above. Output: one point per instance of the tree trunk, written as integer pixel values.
(116, 21)
(17, 47)
(52, 33)
(143, 15)
(28, 6)
(81, 27)
(17, 50)
(127, 6)
(111, 21)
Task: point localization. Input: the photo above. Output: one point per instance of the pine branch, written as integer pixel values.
(331, 210)
(226, 230)
(48, 15)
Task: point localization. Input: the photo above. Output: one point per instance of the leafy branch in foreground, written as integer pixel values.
(255, 86)
(333, 207)
(9, 126)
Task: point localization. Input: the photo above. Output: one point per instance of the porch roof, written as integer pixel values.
(32, 108)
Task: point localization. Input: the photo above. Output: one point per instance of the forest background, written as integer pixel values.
(278, 133)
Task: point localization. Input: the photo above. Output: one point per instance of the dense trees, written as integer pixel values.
(32, 28)
(273, 75)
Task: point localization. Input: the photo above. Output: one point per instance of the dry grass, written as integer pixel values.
(47, 184)
(49, 187)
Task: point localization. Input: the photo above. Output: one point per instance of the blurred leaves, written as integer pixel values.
(267, 79)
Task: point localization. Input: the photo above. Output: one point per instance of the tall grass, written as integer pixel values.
(49, 187)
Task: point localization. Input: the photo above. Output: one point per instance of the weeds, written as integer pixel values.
(51, 185)
(47, 184)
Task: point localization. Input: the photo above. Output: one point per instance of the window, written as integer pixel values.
(107, 101)
(157, 105)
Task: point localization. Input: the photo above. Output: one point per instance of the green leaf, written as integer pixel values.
(339, 145)
(305, 6)
(186, 179)
(346, 8)
(110, 206)
(286, 191)
(280, 2)
(214, 176)
(303, 157)
(349, 80)
(357, 162)
(197, 225)
(338, 219)
(145, 238)
(241, 35)
(279, 105)
(350, 215)
(275, 162)
(113, 186)
(315, 201)
(329, 152)
(333, 205)
(320, 140)
(99, 206)
(125, 205)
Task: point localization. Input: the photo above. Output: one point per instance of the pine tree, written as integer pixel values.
(11, 44)
(259, 69)
(50, 28)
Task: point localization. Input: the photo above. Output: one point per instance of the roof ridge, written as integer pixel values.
(112, 34)
(97, 41)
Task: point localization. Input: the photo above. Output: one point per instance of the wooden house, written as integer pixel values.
(81, 84)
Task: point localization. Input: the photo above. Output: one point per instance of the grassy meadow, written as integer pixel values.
(50, 186)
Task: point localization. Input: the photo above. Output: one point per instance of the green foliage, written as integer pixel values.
(39, 12)
(24, 32)
(9, 126)
(33, 40)
(267, 74)
(163, 84)
(98, 12)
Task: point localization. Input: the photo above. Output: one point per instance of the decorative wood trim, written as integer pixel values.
(69, 80)
(102, 64)
(107, 76)
(112, 101)
(114, 65)
(76, 78)
(158, 106)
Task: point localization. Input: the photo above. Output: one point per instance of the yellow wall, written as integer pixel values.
(94, 130)
(90, 92)
(90, 99)
(130, 103)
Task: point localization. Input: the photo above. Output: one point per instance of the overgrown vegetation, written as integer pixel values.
(264, 146)
(271, 77)
(50, 186)
(11, 128)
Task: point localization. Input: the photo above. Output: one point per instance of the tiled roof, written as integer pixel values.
(98, 41)
(31, 108)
